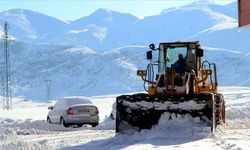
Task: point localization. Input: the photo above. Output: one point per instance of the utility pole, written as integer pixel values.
(48, 85)
(6, 84)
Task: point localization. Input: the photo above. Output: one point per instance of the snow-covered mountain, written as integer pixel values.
(74, 70)
(100, 53)
(90, 31)
(104, 17)
(31, 26)
(106, 29)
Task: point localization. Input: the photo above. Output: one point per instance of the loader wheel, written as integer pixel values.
(223, 113)
(220, 109)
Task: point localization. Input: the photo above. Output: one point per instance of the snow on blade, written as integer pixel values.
(187, 105)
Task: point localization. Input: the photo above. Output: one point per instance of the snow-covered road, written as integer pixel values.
(19, 132)
(52, 139)
(68, 138)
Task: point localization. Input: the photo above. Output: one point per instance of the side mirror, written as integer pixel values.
(152, 46)
(50, 107)
(199, 52)
(149, 55)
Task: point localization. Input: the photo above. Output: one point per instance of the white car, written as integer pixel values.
(73, 111)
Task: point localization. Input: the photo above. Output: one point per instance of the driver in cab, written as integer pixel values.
(179, 65)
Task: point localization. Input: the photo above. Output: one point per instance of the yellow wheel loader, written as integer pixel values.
(178, 83)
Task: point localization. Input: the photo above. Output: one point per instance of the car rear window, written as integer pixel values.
(76, 101)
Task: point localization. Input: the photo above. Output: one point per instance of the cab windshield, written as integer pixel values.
(170, 54)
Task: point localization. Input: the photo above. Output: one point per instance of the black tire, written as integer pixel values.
(94, 124)
(62, 122)
(223, 112)
(79, 125)
(112, 116)
(48, 120)
(220, 109)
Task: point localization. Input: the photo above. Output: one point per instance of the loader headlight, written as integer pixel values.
(141, 72)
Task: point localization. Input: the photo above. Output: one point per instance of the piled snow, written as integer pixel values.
(29, 126)
(168, 134)
(9, 140)
(7, 134)
(179, 120)
(237, 107)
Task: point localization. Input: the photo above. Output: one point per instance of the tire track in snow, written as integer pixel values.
(69, 138)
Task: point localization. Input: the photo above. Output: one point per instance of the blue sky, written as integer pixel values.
(74, 9)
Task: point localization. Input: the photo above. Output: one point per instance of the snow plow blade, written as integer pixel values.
(141, 111)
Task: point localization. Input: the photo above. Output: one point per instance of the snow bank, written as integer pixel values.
(36, 127)
(237, 107)
(238, 118)
(107, 124)
(7, 133)
(38, 134)
(179, 130)
(9, 140)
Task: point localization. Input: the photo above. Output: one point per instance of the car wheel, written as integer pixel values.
(94, 124)
(112, 116)
(48, 120)
(79, 125)
(62, 122)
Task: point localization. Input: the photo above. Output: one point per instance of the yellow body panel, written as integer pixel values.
(202, 89)
(151, 90)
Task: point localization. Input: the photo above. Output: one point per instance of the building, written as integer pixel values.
(244, 12)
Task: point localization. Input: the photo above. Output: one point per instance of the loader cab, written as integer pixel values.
(169, 55)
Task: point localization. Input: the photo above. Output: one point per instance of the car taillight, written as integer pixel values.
(70, 111)
(97, 111)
